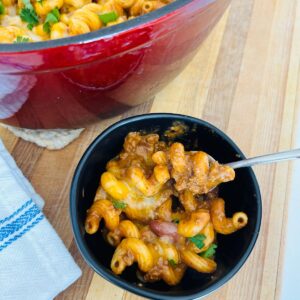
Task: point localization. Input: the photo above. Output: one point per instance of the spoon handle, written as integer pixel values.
(265, 159)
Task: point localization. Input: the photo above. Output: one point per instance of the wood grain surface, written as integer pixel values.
(245, 80)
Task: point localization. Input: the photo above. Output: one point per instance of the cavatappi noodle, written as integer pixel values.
(135, 199)
(24, 21)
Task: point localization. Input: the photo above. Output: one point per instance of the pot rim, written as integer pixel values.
(106, 32)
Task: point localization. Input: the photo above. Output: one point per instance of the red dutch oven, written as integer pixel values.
(73, 81)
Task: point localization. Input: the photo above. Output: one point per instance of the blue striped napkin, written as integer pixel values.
(34, 263)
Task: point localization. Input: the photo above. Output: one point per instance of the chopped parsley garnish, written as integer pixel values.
(176, 221)
(51, 18)
(2, 9)
(210, 252)
(108, 17)
(46, 27)
(119, 204)
(21, 39)
(172, 263)
(29, 15)
(198, 240)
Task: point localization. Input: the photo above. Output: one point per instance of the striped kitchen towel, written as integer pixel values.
(34, 263)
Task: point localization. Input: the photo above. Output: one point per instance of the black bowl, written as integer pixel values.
(242, 194)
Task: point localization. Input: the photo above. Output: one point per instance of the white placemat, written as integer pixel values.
(52, 139)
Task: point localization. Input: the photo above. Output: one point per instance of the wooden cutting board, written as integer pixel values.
(245, 80)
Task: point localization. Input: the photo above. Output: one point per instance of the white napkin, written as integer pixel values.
(34, 263)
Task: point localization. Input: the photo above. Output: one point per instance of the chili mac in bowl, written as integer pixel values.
(157, 227)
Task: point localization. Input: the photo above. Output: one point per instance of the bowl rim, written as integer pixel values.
(106, 32)
(120, 282)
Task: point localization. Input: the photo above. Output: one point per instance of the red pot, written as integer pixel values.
(69, 82)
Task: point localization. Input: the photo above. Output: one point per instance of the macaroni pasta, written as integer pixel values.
(137, 198)
(25, 21)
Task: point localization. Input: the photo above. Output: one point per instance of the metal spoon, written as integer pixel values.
(265, 159)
